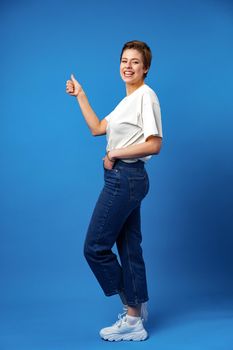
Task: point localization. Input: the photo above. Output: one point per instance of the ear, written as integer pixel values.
(145, 70)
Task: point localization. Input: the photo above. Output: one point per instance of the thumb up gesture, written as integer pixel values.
(73, 88)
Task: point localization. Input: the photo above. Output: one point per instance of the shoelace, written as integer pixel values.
(121, 318)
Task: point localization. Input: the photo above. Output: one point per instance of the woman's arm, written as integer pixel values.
(151, 146)
(96, 126)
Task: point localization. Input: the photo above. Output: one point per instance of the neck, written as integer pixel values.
(130, 88)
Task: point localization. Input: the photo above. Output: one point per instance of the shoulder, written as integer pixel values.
(149, 95)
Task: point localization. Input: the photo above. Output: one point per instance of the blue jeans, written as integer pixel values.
(116, 219)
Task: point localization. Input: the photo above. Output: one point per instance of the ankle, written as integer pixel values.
(134, 311)
(132, 320)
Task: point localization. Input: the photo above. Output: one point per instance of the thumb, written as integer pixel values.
(73, 78)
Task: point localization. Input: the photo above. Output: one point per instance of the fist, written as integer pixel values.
(108, 163)
(73, 87)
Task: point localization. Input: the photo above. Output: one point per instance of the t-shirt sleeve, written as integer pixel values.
(151, 116)
(108, 117)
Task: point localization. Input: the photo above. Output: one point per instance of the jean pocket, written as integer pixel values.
(138, 187)
(113, 170)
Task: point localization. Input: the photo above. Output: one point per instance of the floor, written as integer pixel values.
(203, 324)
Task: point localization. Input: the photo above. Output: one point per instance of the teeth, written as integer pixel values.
(128, 74)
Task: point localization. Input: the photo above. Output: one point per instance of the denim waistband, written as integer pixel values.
(121, 163)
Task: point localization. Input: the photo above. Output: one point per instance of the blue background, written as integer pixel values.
(51, 170)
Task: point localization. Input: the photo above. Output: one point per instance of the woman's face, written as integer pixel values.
(131, 67)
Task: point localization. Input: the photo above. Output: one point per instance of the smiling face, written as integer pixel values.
(132, 68)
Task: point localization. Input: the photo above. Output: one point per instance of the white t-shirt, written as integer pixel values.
(135, 118)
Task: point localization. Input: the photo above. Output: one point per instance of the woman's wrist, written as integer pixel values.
(111, 157)
(80, 93)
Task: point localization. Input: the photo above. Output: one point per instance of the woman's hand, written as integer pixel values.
(108, 162)
(73, 88)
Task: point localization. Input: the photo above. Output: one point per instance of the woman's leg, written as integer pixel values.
(132, 262)
(110, 213)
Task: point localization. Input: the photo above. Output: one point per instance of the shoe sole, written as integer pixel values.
(137, 336)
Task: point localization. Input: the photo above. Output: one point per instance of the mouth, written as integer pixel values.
(128, 74)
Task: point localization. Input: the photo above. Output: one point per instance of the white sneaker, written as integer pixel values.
(122, 330)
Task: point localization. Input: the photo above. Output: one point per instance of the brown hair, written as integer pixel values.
(143, 48)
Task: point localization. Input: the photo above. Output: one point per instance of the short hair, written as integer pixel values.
(143, 48)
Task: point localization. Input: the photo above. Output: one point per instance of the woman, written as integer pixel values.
(134, 133)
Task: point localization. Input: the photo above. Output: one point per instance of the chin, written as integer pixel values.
(128, 80)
